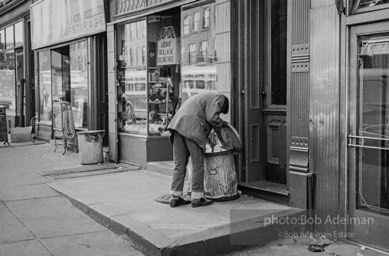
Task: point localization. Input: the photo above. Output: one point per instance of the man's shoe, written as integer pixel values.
(177, 201)
(201, 202)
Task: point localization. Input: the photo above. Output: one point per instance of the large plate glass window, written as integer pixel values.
(19, 34)
(2, 40)
(9, 37)
(7, 81)
(373, 124)
(79, 83)
(11, 69)
(44, 59)
(132, 77)
(199, 54)
(163, 69)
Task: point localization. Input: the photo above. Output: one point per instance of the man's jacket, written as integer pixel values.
(197, 116)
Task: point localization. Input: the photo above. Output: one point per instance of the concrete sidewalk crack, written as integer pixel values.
(32, 233)
(33, 198)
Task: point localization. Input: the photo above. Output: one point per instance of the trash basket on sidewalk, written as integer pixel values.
(90, 145)
(220, 181)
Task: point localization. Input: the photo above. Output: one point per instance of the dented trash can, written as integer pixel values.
(90, 144)
(220, 179)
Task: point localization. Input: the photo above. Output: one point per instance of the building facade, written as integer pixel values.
(307, 85)
(306, 80)
(160, 53)
(16, 63)
(335, 110)
(69, 42)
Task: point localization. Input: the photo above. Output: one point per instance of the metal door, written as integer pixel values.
(368, 135)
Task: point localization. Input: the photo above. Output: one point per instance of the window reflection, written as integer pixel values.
(9, 37)
(206, 17)
(198, 72)
(2, 40)
(18, 34)
(79, 83)
(45, 86)
(186, 25)
(132, 77)
(196, 22)
(7, 81)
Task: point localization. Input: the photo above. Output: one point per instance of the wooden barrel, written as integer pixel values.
(220, 182)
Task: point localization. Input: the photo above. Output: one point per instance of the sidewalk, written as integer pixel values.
(123, 200)
(37, 221)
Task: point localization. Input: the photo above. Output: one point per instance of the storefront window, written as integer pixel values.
(56, 64)
(2, 40)
(164, 78)
(7, 81)
(132, 77)
(79, 83)
(18, 34)
(9, 37)
(45, 113)
(198, 70)
(60, 83)
(373, 127)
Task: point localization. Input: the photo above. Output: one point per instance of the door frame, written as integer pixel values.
(380, 227)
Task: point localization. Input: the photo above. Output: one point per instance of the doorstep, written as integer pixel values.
(270, 191)
(125, 202)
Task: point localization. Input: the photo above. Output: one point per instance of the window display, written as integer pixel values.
(164, 76)
(148, 74)
(132, 77)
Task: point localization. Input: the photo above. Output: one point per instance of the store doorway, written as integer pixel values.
(265, 105)
(368, 135)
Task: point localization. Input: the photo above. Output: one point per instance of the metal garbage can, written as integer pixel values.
(90, 144)
(220, 181)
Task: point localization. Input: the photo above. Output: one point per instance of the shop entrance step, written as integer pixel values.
(164, 167)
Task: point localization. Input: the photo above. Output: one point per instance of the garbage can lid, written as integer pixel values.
(231, 137)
